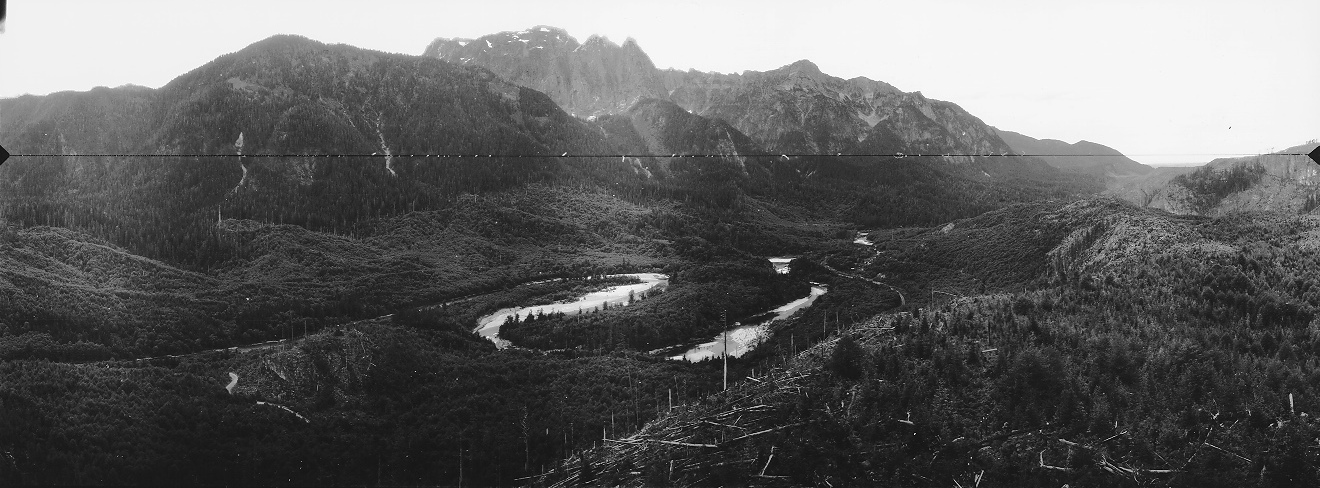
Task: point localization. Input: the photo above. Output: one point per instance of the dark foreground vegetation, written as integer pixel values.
(385, 405)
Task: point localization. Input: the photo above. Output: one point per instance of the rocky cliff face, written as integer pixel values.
(593, 78)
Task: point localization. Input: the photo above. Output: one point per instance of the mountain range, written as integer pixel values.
(795, 109)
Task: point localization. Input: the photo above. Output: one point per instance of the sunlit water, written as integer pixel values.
(745, 338)
(489, 326)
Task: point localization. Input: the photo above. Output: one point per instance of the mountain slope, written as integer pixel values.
(67, 295)
(284, 95)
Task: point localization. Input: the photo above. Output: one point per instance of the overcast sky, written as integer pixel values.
(1172, 82)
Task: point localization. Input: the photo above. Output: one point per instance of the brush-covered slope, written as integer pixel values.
(1153, 349)
(67, 295)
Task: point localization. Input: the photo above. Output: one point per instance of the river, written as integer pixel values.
(489, 325)
(745, 338)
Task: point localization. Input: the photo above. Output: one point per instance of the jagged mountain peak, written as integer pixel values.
(464, 51)
(795, 108)
(593, 78)
(542, 36)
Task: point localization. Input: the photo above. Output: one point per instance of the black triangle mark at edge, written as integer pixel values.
(1315, 155)
(3, 153)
